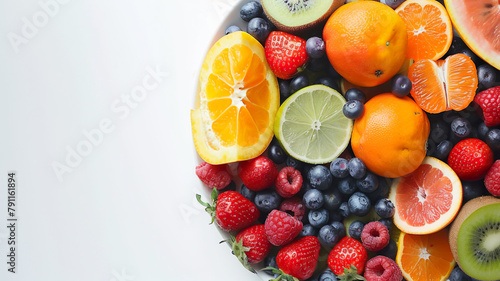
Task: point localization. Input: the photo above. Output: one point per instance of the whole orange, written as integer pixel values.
(390, 136)
(366, 42)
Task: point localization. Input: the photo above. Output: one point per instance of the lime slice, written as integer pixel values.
(311, 127)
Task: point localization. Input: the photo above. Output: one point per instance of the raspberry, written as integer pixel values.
(295, 207)
(288, 182)
(492, 179)
(281, 228)
(489, 106)
(258, 174)
(215, 176)
(375, 236)
(382, 268)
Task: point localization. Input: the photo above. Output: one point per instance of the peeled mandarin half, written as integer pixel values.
(238, 99)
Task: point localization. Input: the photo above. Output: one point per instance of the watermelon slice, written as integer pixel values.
(478, 24)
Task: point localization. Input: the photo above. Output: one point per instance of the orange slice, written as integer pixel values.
(443, 85)
(429, 28)
(425, 257)
(428, 199)
(238, 99)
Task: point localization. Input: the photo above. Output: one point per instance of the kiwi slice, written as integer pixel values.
(299, 16)
(475, 238)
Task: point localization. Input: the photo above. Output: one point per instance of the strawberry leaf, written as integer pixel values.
(351, 274)
(209, 208)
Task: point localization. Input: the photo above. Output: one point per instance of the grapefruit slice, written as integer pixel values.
(428, 199)
(425, 257)
(477, 24)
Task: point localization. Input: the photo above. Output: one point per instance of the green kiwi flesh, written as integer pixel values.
(299, 16)
(475, 238)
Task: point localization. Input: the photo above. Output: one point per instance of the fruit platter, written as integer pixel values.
(354, 140)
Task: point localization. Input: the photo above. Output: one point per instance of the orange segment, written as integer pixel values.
(238, 99)
(428, 199)
(425, 257)
(443, 85)
(429, 28)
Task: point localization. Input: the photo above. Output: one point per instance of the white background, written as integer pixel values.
(124, 208)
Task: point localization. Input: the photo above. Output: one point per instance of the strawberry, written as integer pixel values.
(492, 179)
(215, 176)
(488, 108)
(258, 174)
(250, 245)
(281, 228)
(470, 159)
(286, 54)
(298, 259)
(230, 210)
(347, 253)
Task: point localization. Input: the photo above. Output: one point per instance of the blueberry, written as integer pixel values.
(355, 94)
(327, 81)
(251, 10)
(353, 109)
(357, 168)
(230, 187)
(439, 131)
(390, 250)
(385, 208)
(387, 223)
(315, 47)
(284, 88)
(276, 153)
(333, 199)
(487, 76)
(267, 200)
(493, 139)
(270, 261)
(318, 217)
(359, 204)
(344, 210)
(332, 72)
(247, 193)
(401, 85)
(317, 65)
(443, 149)
(473, 189)
(482, 131)
(298, 82)
(367, 184)
(320, 177)
(461, 127)
(336, 216)
(457, 46)
(468, 52)
(259, 28)
(231, 29)
(330, 234)
(355, 229)
(384, 186)
(458, 275)
(392, 3)
(338, 168)
(292, 162)
(328, 275)
(431, 148)
(347, 186)
(313, 199)
(308, 230)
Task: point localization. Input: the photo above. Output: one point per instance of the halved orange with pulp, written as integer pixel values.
(428, 199)
(238, 99)
(429, 29)
(425, 257)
